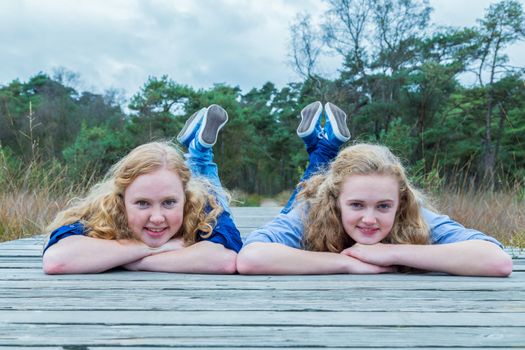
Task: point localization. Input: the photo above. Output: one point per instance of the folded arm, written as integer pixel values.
(279, 259)
(467, 258)
(201, 257)
(276, 249)
(83, 254)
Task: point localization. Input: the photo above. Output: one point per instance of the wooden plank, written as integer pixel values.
(122, 309)
(270, 336)
(237, 282)
(161, 347)
(35, 262)
(252, 221)
(234, 301)
(256, 211)
(121, 274)
(436, 281)
(274, 318)
(34, 245)
(374, 298)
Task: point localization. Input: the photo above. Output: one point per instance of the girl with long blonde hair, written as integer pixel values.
(153, 211)
(360, 214)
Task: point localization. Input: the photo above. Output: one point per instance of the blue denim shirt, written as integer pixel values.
(225, 233)
(287, 229)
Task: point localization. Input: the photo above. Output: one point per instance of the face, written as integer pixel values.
(368, 206)
(155, 206)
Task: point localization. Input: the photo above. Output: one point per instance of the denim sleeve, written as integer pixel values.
(226, 233)
(445, 230)
(286, 229)
(62, 232)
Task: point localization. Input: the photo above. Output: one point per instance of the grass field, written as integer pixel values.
(30, 197)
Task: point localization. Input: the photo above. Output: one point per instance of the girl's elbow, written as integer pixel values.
(230, 265)
(249, 260)
(51, 265)
(493, 261)
(497, 264)
(503, 266)
(227, 264)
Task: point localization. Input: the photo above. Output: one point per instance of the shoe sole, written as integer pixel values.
(190, 125)
(309, 117)
(214, 120)
(337, 119)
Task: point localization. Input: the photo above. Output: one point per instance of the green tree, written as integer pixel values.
(503, 25)
(94, 151)
(158, 109)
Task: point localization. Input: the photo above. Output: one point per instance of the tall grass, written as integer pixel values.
(499, 214)
(31, 195)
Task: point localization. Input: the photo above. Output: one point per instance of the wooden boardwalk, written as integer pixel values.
(145, 310)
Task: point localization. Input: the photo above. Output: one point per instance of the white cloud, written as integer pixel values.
(119, 43)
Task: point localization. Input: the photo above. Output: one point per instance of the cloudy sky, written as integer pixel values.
(119, 43)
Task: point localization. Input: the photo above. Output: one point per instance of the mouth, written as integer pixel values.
(155, 232)
(368, 230)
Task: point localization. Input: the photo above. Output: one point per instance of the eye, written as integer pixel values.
(169, 203)
(384, 206)
(355, 205)
(142, 204)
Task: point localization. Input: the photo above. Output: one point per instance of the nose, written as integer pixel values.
(369, 217)
(157, 216)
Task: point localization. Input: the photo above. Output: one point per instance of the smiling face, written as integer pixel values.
(154, 205)
(368, 206)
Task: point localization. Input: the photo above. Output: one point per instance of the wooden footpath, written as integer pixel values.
(146, 310)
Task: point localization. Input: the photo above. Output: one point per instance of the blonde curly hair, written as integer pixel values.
(102, 211)
(323, 227)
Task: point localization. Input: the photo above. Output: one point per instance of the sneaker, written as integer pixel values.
(214, 119)
(191, 127)
(335, 126)
(310, 127)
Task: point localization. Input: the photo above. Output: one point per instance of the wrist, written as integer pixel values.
(397, 254)
(154, 250)
(136, 248)
(349, 264)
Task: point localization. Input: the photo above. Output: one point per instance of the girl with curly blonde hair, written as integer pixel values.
(153, 211)
(360, 214)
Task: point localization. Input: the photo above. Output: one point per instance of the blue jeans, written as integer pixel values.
(200, 161)
(320, 154)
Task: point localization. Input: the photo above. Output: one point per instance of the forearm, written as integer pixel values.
(201, 257)
(82, 254)
(468, 258)
(275, 258)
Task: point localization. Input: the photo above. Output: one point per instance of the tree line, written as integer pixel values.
(400, 82)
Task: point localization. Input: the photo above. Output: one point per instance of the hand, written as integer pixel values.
(377, 254)
(142, 264)
(171, 245)
(357, 266)
(133, 266)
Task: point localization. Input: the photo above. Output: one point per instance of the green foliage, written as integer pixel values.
(8, 163)
(398, 138)
(160, 96)
(402, 91)
(94, 151)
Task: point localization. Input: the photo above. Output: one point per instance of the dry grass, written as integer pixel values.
(26, 213)
(500, 214)
(31, 196)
